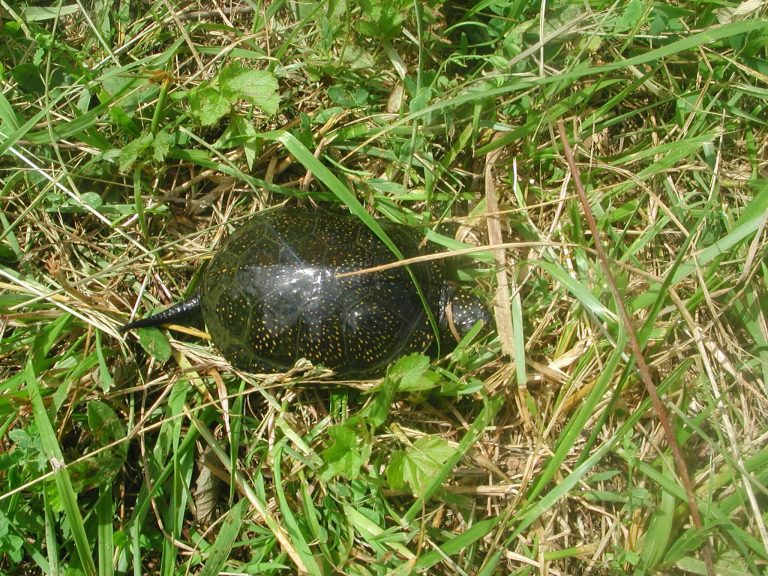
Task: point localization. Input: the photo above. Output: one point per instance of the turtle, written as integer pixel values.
(275, 292)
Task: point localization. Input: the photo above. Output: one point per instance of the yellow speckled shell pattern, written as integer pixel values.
(271, 296)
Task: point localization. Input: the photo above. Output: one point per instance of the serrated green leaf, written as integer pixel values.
(162, 144)
(413, 373)
(348, 452)
(259, 87)
(491, 407)
(423, 461)
(131, 151)
(208, 105)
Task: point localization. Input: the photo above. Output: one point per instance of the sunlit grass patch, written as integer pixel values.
(136, 137)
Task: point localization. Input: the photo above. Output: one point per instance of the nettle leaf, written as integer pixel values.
(208, 105)
(376, 412)
(382, 21)
(349, 450)
(258, 87)
(413, 373)
(348, 97)
(162, 145)
(131, 151)
(357, 58)
(419, 464)
(10, 543)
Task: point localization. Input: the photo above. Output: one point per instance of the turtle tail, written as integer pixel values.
(181, 313)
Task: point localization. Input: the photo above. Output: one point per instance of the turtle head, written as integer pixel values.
(461, 310)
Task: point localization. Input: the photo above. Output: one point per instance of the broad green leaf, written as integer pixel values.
(413, 373)
(348, 452)
(259, 87)
(420, 463)
(131, 151)
(162, 144)
(208, 105)
(156, 343)
(491, 407)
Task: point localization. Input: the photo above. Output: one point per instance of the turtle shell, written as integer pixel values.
(271, 294)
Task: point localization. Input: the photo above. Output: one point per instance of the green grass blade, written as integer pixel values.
(60, 475)
(218, 554)
(750, 221)
(105, 519)
(575, 426)
(292, 527)
(578, 290)
(455, 545)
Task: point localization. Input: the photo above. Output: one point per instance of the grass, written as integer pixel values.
(133, 140)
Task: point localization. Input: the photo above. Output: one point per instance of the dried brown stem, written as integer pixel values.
(637, 352)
